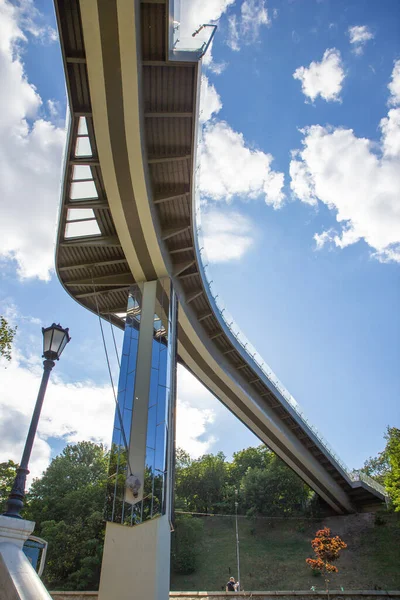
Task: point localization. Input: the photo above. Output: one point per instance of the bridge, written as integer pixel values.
(129, 216)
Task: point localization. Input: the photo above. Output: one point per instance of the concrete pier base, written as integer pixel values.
(18, 579)
(136, 561)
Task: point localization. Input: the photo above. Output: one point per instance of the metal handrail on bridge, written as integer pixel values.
(187, 44)
(352, 475)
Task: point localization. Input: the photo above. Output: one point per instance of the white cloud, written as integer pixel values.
(81, 410)
(394, 85)
(323, 78)
(359, 36)
(391, 133)
(229, 168)
(357, 178)
(33, 22)
(54, 108)
(226, 235)
(195, 414)
(191, 426)
(210, 101)
(30, 157)
(246, 29)
(233, 35)
(324, 238)
(71, 411)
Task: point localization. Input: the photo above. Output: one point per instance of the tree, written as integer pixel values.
(385, 468)
(201, 485)
(377, 467)
(249, 458)
(392, 477)
(7, 334)
(8, 471)
(67, 503)
(327, 550)
(274, 490)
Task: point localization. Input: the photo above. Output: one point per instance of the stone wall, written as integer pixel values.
(306, 595)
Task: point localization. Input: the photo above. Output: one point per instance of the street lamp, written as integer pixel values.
(55, 338)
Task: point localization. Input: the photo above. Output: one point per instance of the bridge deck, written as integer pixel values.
(97, 269)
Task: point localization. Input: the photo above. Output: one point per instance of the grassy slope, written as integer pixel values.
(273, 553)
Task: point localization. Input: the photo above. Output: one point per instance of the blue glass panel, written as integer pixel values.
(121, 399)
(161, 404)
(151, 427)
(170, 362)
(153, 387)
(134, 333)
(163, 365)
(32, 551)
(136, 514)
(132, 355)
(149, 466)
(147, 507)
(127, 420)
(127, 340)
(160, 453)
(155, 354)
(130, 389)
(116, 439)
(158, 489)
(116, 421)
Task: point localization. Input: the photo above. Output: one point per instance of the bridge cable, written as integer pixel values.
(113, 337)
(111, 377)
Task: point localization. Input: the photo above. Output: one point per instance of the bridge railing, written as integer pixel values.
(250, 350)
(360, 476)
(183, 39)
(185, 35)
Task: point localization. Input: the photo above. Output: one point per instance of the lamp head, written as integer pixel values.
(55, 338)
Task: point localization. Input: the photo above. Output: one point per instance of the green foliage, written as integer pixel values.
(186, 542)
(67, 504)
(7, 334)
(249, 458)
(200, 485)
(273, 490)
(377, 467)
(385, 468)
(392, 478)
(265, 484)
(7, 475)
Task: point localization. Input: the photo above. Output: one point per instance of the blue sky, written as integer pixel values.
(299, 180)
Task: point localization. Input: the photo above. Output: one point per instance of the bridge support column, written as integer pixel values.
(136, 558)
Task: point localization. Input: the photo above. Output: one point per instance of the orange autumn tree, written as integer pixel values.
(327, 549)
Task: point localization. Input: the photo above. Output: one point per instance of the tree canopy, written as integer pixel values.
(7, 334)
(8, 471)
(67, 502)
(385, 468)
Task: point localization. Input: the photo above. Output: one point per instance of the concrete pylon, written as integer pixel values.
(136, 558)
(18, 579)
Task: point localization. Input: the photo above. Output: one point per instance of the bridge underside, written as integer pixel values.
(132, 144)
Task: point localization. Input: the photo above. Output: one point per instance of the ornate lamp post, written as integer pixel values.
(55, 338)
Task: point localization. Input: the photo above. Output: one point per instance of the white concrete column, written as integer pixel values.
(18, 579)
(137, 546)
(137, 442)
(136, 561)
